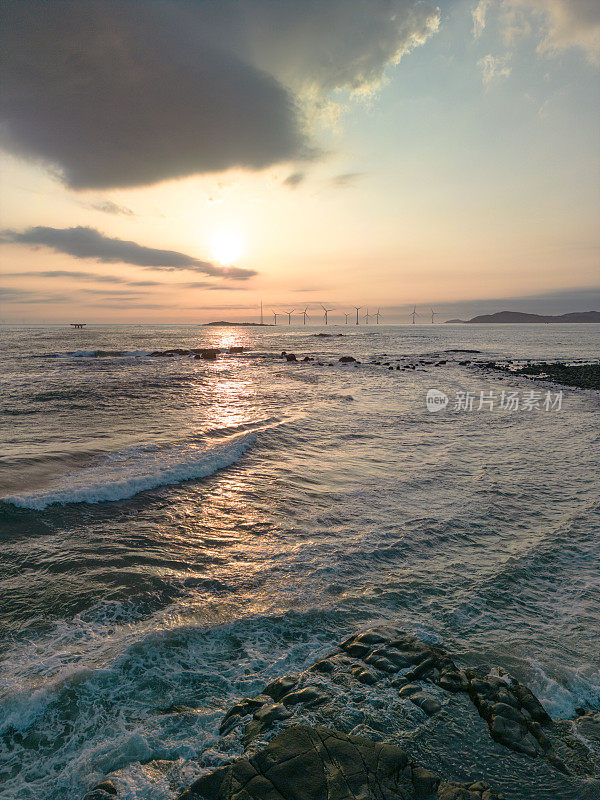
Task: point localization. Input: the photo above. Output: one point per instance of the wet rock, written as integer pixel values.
(307, 358)
(363, 675)
(281, 686)
(304, 763)
(243, 708)
(409, 689)
(268, 714)
(106, 790)
(235, 349)
(291, 357)
(322, 666)
(347, 360)
(426, 702)
(454, 681)
(309, 695)
(209, 353)
(514, 735)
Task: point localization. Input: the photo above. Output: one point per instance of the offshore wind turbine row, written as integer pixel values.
(377, 315)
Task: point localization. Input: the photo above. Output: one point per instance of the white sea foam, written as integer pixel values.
(125, 473)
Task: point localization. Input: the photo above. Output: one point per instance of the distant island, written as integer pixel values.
(222, 323)
(518, 316)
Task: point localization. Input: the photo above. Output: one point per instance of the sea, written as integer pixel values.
(177, 531)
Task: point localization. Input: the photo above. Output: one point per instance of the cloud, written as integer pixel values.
(79, 276)
(120, 93)
(493, 68)
(346, 179)
(295, 179)
(556, 24)
(23, 296)
(479, 14)
(108, 207)
(82, 242)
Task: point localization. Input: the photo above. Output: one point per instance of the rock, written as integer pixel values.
(281, 686)
(268, 714)
(105, 790)
(513, 734)
(322, 666)
(304, 763)
(426, 702)
(454, 681)
(363, 675)
(310, 695)
(346, 360)
(245, 707)
(235, 349)
(290, 357)
(208, 353)
(307, 358)
(409, 689)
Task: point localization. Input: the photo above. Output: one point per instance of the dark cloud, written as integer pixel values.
(295, 179)
(127, 94)
(82, 242)
(115, 93)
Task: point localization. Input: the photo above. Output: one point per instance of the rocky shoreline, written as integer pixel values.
(386, 716)
(584, 375)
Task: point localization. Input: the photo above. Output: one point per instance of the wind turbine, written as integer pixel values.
(346, 315)
(367, 315)
(326, 310)
(414, 314)
(276, 314)
(433, 313)
(377, 315)
(305, 314)
(358, 308)
(289, 313)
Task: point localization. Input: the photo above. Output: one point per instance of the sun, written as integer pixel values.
(226, 246)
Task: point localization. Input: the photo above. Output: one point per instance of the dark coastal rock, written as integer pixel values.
(305, 763)
(290, 357)
(333, 732)
(208, 353)
(105, 790)
(347, 360)
(235, 349)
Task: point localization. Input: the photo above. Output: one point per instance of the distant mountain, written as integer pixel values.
(518, 316)
(462, 321)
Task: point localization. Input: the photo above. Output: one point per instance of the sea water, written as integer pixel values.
(179, 531)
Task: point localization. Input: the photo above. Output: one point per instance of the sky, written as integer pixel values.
(181, 161)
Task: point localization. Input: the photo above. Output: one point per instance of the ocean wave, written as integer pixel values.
(128, 472)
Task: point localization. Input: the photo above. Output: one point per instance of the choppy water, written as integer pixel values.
(177, 531)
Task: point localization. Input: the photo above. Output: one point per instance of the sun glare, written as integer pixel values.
(226, 246)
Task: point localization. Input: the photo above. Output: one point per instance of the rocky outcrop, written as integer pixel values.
(304, 763)
(387, 716)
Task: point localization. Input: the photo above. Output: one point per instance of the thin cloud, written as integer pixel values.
(108, 207)
(493, 68)
(295, 179)
(84, 243)
(346, 179)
